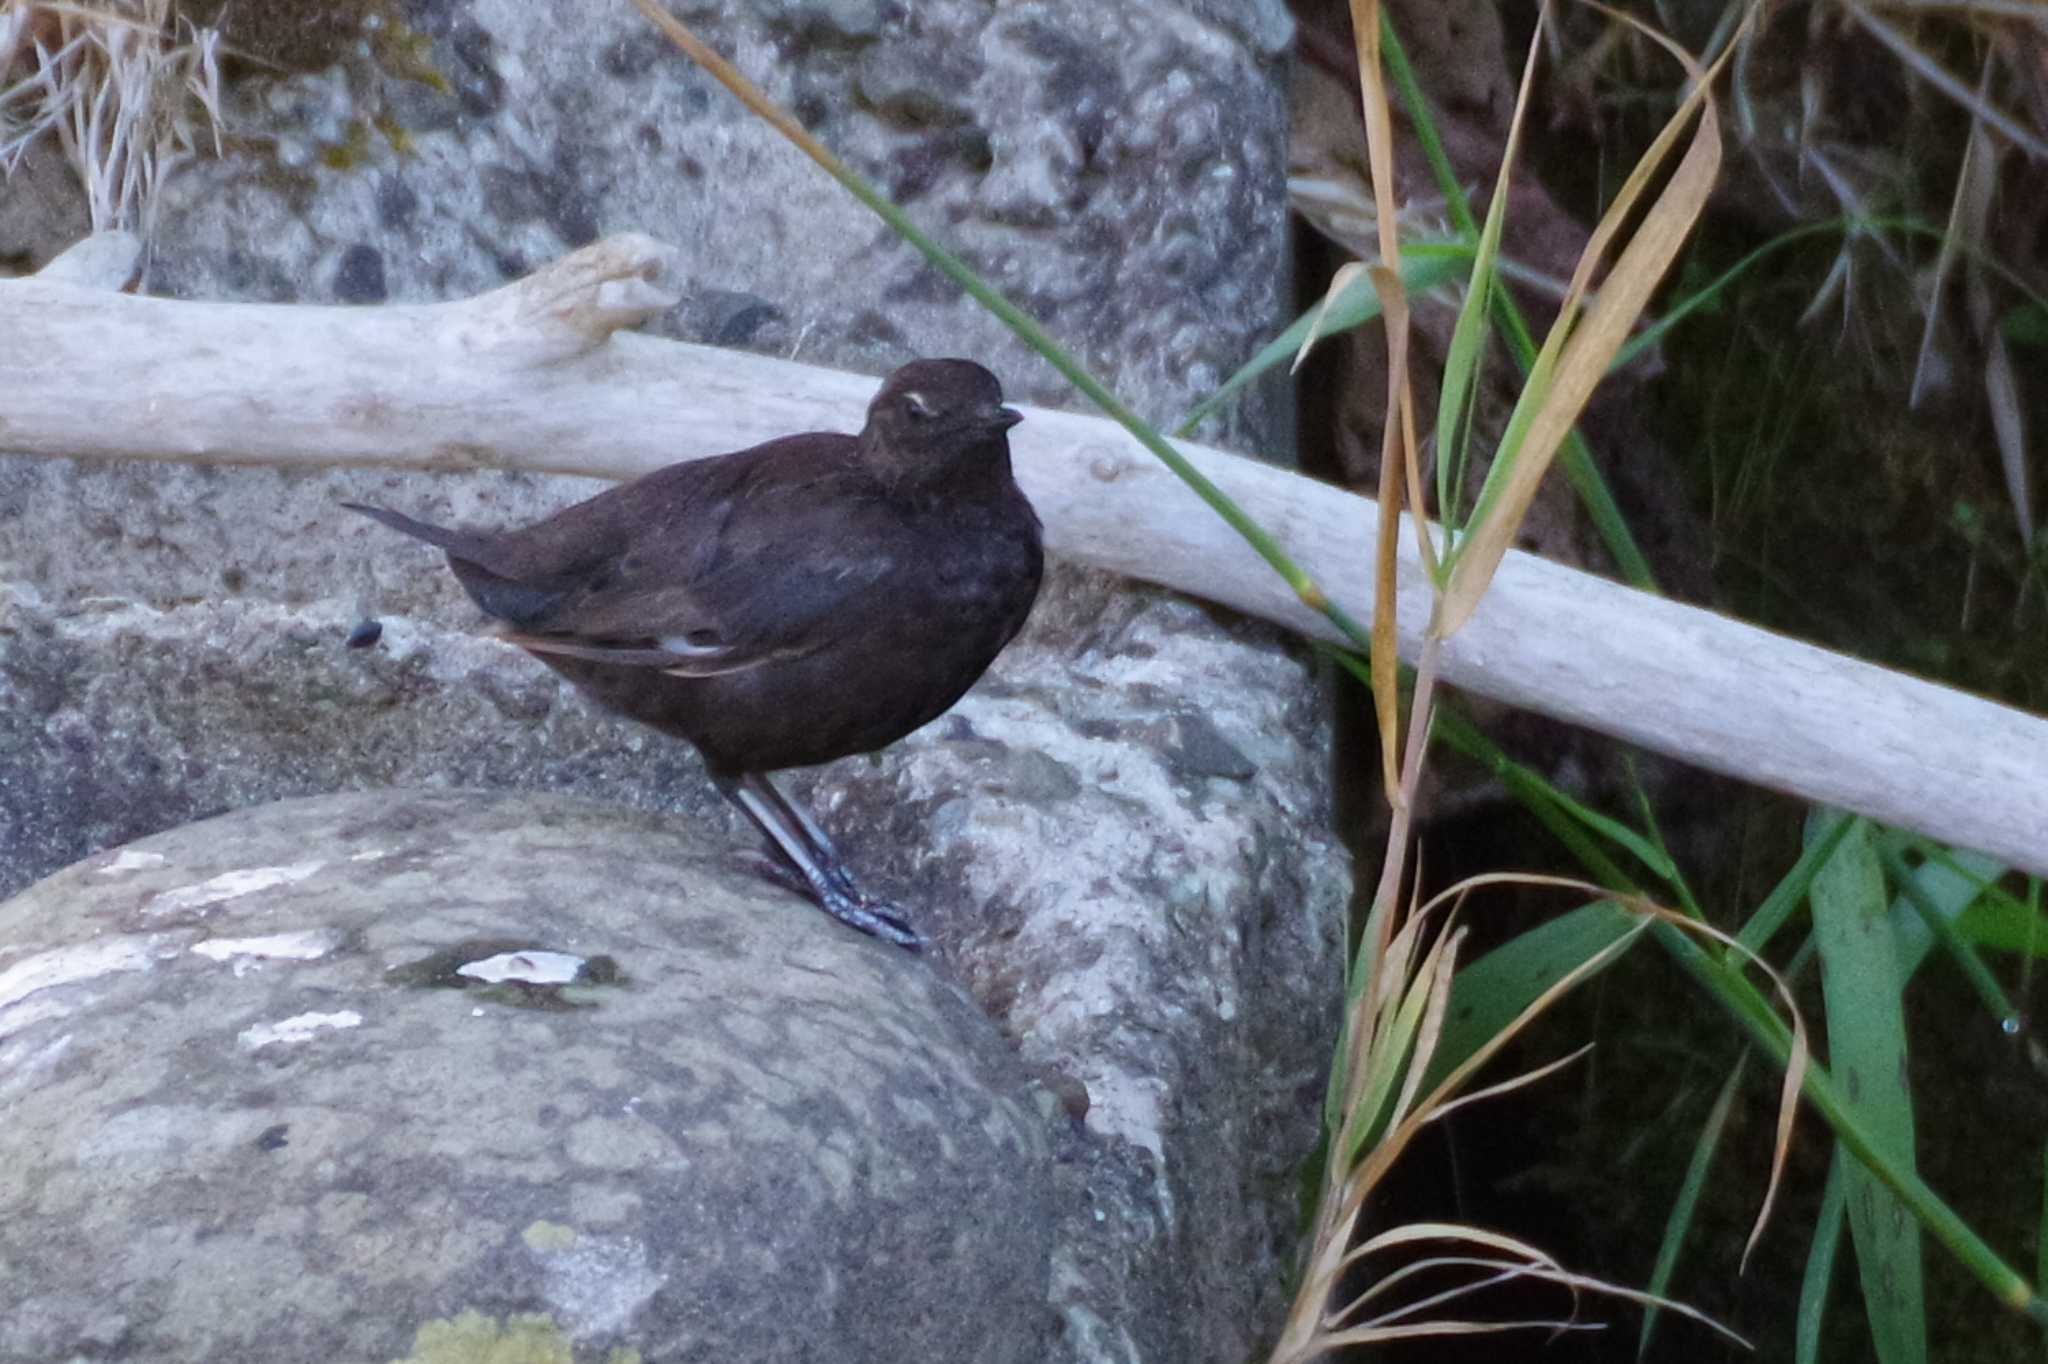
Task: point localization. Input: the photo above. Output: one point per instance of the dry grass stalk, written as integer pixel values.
(128, 91)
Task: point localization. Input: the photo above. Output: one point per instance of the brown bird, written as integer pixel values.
(789, 604)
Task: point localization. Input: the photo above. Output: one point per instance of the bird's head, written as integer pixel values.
(932, 415)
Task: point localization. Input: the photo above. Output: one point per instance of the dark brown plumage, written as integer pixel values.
(817, 596)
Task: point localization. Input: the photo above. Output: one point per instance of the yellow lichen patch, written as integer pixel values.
(524, 1338)
(546, 1235)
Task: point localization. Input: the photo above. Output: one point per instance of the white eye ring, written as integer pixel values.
(919, 408)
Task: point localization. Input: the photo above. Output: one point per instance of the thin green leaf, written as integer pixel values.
(1579, 468)
(1753, 1012)
(1955, 882)
(1424, 266)
(1493, 990)
(1340, 283)
(1861, 984)
(1533, 787)
(1679, 1223)
(1939, 919)
(1655, 838)
(1655, 332)
(1460, 393)
(1820, 1263)
(1382, 1102)
(1789, 893)
(1588, 331)
(2041, 1231)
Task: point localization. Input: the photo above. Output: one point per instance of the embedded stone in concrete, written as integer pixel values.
(354, 1077)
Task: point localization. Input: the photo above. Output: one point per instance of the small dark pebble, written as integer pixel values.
(365, 634)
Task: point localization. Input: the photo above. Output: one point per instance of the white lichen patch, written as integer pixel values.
(247, 954)
(131, 859)
(526, 967)
(297, 1028)
(229, 885)
(594, 1283)
(65, 966)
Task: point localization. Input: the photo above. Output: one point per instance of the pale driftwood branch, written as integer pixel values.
(525, 377)
(105, 260)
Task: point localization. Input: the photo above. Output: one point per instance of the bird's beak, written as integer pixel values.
(1002, 419)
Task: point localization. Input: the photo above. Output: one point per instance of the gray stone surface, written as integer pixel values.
(299, 1082)
(1121, 840)
(42, 210)
(1117, 169)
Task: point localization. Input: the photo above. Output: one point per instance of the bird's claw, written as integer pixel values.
(877, 918)
(840, 898)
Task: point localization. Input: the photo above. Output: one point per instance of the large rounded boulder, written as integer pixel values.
(411, 1074)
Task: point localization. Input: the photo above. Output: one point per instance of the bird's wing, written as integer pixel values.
(733, 575)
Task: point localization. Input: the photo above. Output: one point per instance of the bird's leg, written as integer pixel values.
(821, 845)
(823, 854)
(796, 837)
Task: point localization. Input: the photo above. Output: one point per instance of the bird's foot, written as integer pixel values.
(840, 897)
(877, 918)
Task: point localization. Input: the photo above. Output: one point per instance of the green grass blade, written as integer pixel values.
(1490, 991)
(1579, 469)
(1861, 984)
(1949, 881)
(2037, 935)
(1424, 266)
(1374, 1110)
(1749, 1008)
(1679, 1223)
(1997, 919)
(1564, 817)
(1536, 382)
(1708, 294)
(2041, 1232)
(1459, 396)
(1965, 886)
(1939, 917)
(1711, 292)
(1533, 789)
(1458, 402)
(1789, 893)
(1655, 837)
(1493, 989)
(1488, 994)
(1820, 1264)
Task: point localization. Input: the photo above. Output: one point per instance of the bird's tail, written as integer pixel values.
(454, 541)
(499, 594)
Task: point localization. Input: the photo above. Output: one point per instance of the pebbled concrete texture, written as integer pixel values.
(1114, 841)
(1121, 840)
(296, 1083)
(1118, 170)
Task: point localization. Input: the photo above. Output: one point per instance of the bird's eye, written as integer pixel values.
(915, 404)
